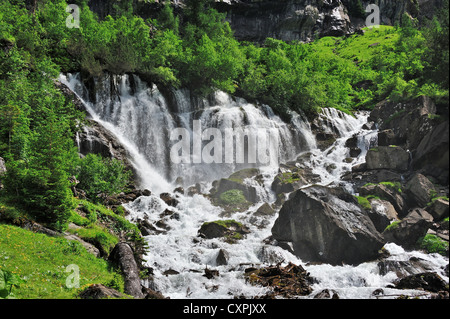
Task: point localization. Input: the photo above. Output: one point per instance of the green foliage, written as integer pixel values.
(8, 280)
(433, 244)
(100, 177)
(232, 197)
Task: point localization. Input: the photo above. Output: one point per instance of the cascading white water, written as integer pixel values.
(139, 117)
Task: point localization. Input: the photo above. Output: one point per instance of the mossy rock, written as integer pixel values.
(229, 229)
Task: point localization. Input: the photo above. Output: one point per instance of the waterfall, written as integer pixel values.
(142, 118)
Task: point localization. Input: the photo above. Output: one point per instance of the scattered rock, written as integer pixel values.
(382, 213)
(438, 209)
(224, 185)
(409, 230)
(89, 247)
(170, 271)
(388, 193)
(99, 291)
(428, 281)
(387, 137)
(210, 273)
(179, 190)
(168, 199)
(222, 258)
(419, 190)
(326, 294)
(265, 210)
(432, 153)
(388, 157)
(122, 254)
(152, 294)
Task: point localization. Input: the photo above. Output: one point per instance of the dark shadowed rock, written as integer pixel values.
(327, 225)
(382, 213)
(439, 209)
(225, 184)
(222, 257)
(229, 229)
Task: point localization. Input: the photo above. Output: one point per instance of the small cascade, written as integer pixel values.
(333, 162)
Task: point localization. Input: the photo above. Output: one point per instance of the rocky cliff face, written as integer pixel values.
(288, 20)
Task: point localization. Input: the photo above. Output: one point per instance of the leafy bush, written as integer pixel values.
(101, 176)
(232, 197)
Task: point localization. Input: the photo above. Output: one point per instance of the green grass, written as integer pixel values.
(41, 261)
(433, 244)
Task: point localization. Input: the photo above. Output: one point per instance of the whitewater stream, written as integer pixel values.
(141, 118)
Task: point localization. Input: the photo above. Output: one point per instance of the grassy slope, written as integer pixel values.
(42, 261)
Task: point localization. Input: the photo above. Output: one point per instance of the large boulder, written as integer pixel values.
(410, 229)
(419, 190)
(236, 181)
(122, 254)
(327, 225)
(388, 157)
